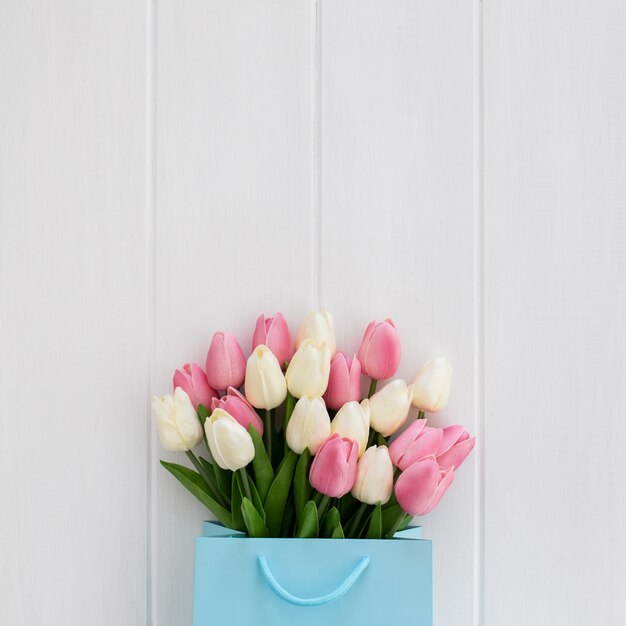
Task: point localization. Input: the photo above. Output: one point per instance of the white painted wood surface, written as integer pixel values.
(555, 312)
(170, 169)
(73, 382)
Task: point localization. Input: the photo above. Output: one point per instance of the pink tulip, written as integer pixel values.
(455, 445)
(344, 382)
(380, 350)
(420, 487)
(333, 470)
(236, 405)
(273, 332)
(192, 380)
(417, 442)
(225, 362)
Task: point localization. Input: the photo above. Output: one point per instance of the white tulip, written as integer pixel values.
(177, 422)
(374, 476)
(265, 383)
(309, 425)
(389, 407)
(431, 388)
(309, 369)
(319, 326)
(229, 442)
(353, 421)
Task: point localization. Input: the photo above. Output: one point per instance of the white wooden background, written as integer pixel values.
(168, 169)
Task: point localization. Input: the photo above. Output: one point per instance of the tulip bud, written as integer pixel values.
(374, 476)
(265, 382)
(431, 388)
(309, 425)
(420, 487)
(308, 371)
(333, 470)
(236, 405)
(273, 332)
(225, 362)
(380, 350)
(353, 422)
(389, 407)
(229, 442)
(192, 380)
(177, 421)
(417, 442)
(318, 326)
(456, 444)
(344, 382)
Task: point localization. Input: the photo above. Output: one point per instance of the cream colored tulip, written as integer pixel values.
(431, 388)
(353, 421)
(389, 407)
(229, 442)
(309, 425)
(265, 383)
(374, 476)
(319, 326)
(309, 369)
(177, 422)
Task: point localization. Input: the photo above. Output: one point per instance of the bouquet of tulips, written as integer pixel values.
(292, 447)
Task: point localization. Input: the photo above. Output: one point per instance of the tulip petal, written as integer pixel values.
(446, 478)
(457, 454)
(416, 486)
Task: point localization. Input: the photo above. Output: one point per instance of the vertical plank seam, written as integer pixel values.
(316, 147)
(479, 315)
(150, 272)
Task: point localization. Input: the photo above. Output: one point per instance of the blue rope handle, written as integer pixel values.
(281, 592)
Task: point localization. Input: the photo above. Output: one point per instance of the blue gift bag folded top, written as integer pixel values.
(274, 582)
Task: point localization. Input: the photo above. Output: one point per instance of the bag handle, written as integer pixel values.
(340, 591)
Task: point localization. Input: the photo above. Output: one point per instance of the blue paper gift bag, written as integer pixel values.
(241, 581)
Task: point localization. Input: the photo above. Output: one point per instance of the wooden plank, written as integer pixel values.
(555, 257)
(73, 460)
(397, 218)
(233, 237)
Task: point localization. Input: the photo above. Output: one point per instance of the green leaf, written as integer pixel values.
(255, 526)
(195, 484)
(224, 479)
(279, 492)
(302, 489)
(309, 527)
(263, 471)
(220, 477)
(203, 413)
(331, 521)
(389, 517)
(405, 522)
(235, 506)
(381, 441)
(256, 499)
(338, 533)
(375, 528)
(288, 519)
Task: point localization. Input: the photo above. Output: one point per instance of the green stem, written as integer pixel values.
(207, 478)
(267, 433)
(372, 390)
(289, 406)
(321, 509)
(394, 529)
(356, 520)
(421, 415)
(246, 484)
